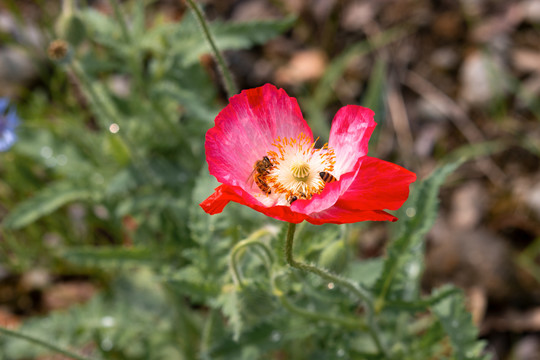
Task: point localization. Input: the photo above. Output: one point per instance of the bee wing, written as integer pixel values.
(250, 180)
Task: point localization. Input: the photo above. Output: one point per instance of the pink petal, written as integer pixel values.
(337, 215)
(377, 185)
(245, 130)
(351, 129)
(223, 194)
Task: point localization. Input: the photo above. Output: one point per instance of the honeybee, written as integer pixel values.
(327, 177)
(261, 169)
(292, 198)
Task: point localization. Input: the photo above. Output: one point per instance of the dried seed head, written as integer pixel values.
(58, 50)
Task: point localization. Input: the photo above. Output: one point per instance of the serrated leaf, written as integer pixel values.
(457, 323)
(403, 264)
(272, 334)
(46, 201)
(404, 260)
(246, 306)
(191, 282)
(188, 98)
(231, 309)
(102, 29)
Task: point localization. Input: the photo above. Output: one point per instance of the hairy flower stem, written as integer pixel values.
(252, 240)
(222, 66)
(362, 294)
(43, 343)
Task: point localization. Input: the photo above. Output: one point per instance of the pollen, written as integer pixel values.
(296, 167)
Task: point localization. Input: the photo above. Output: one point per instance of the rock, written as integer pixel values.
(254, 10)
(357, 14)
(64, 295)
(16, 70)
(471, 258)
(445, 58)
(526, 60)
(35, 279)
(305, 65)
(531, 9)
(528, 348)
(469, 204)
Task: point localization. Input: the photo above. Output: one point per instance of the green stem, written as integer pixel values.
(41, 343)
(361, 293)
(253, 239)
(222, 66)
(355, 289)
(381, 299)
(68, 7)
(420, 305)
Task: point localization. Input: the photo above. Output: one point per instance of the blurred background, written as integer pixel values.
(96, 167)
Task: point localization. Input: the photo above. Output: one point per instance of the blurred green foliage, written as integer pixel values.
(112, 166)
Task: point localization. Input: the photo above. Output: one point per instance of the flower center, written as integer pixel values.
(296, 167)
(300, 171)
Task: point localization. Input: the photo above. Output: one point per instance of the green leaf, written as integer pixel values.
(246, 34)
(191, 45)
(48, 146)
(334, 257)
(103, 29)
(119, 318)
(157, 202)
(190, 281)
(109, 256)
(46, 201)
(185, 96)
(273, 333)
(457, 323)
(231, 307)
(117, 149)
(247, 306)
(365, 271)
(404, 261)
(403, 265)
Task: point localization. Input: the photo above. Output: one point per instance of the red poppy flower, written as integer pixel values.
(262, 151)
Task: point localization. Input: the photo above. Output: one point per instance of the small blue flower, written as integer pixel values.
(8, 123)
